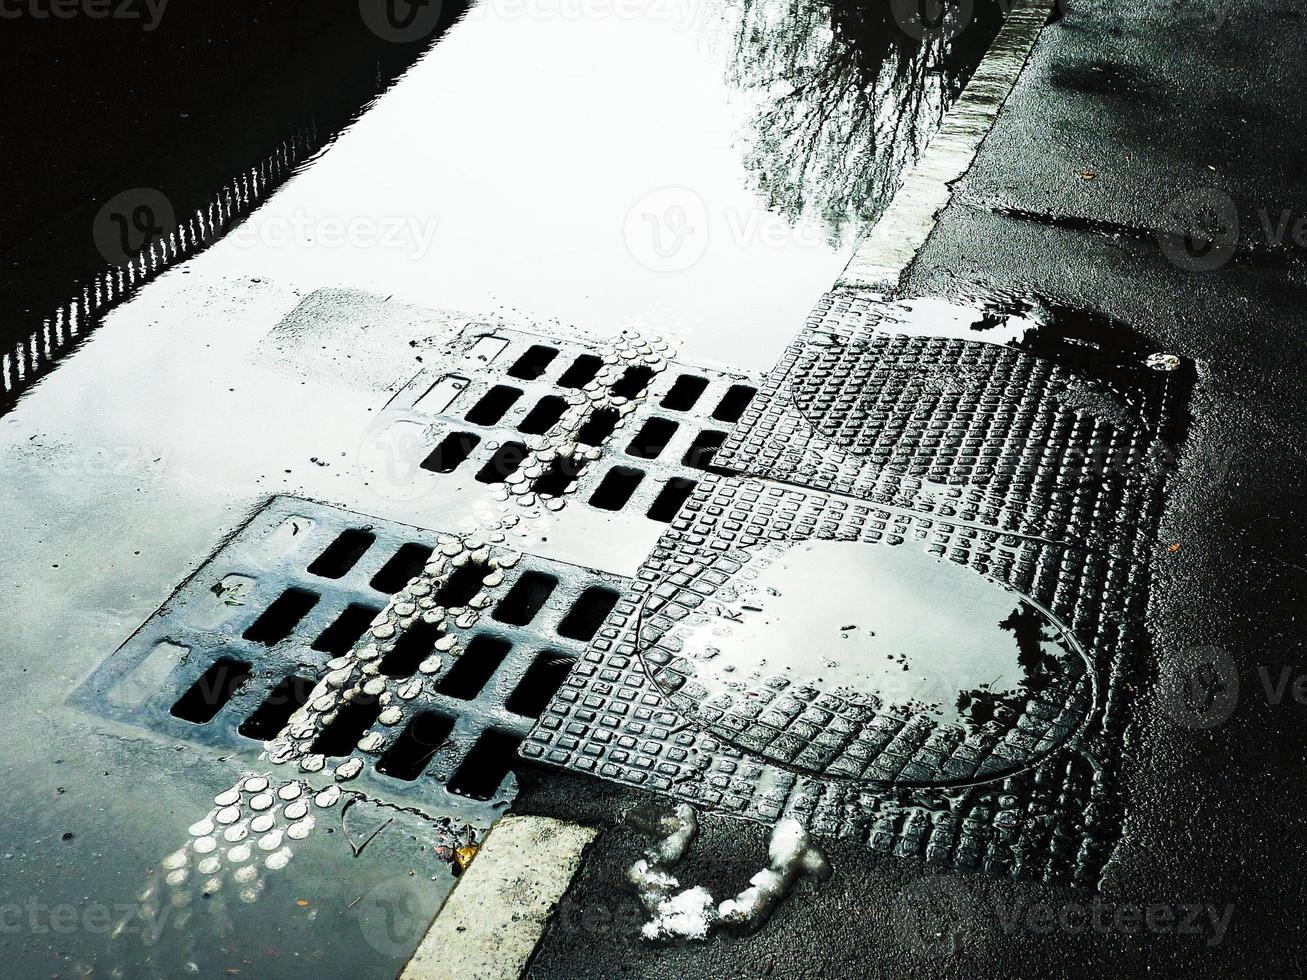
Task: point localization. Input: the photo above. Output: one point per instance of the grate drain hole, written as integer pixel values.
(561, 474)
(213, 689)
(674, 493)
(403, 567)
(462, 585)
(733, 403)
(411, 752)
(486, 765)
(616, 488)
(684, 393)
(280, 619)
(271, 716)
(339, 638)
(533, 362)
(652, 438)
(414, 646)
(633, 381)
(451, 453)
(544, 416)
(526, 598)
(351, 721)
(705, 446)
(503, 464)
(474, 667)
(540, 683)
(585, 617)
(581, 371)
(342, 554)
(493, 404)
(598, 427)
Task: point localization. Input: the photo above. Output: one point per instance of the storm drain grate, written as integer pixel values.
(242, 644)
(511, 385)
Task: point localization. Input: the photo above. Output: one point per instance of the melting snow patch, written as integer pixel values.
(686, 915)
(791, 855)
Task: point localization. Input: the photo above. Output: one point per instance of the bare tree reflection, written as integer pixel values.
(849, 97)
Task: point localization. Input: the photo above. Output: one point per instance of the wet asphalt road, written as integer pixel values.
(1124, 114)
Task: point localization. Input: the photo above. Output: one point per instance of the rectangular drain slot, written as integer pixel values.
(583, 620)
(493, 405)
(271, 716)
(339, 638)
(474, 667)
(212, 690)
(682, 396)
(280, 619)
(410, 753)
(733, 403)
(616, 488)
(453, 450)
(414, 645)
(598, 427)
(533, 362)
(581, 371)
(503, 464)
(633, 381)
(403, 566)
(486, 765)
(704, 447)
(561, 474)
(463, 584)
(526, 598)
(540, 683)
(352, 719)
(544, 416)
(652, 438)
(674, 493)
(342, 554)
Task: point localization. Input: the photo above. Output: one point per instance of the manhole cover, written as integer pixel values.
(864, 641)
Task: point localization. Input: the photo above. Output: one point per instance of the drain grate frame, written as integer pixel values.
(214, 618)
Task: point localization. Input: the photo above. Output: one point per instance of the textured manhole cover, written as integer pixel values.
(885, 637)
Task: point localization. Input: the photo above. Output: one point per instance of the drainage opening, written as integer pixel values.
(213, 689)
(474, 667)
(539, 684)
(339, 638)
(544, 416)
(704, 447)
(583, 620)
(633, 381)
(493, 404)
(532, 364)
(410, 753)
(652, 438)
(598, 427)
(280, 619)
(486, 765)
(352, 720)
(581, 371)
(561, 474)
(684, 393)
(733, 403)
(462, 585)
(616, 488)
(403, 567)
(503, 464)
(342, 554)
(526, 598)
(674, 493)
(414, 645)
(271, 716)
(452, 451)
